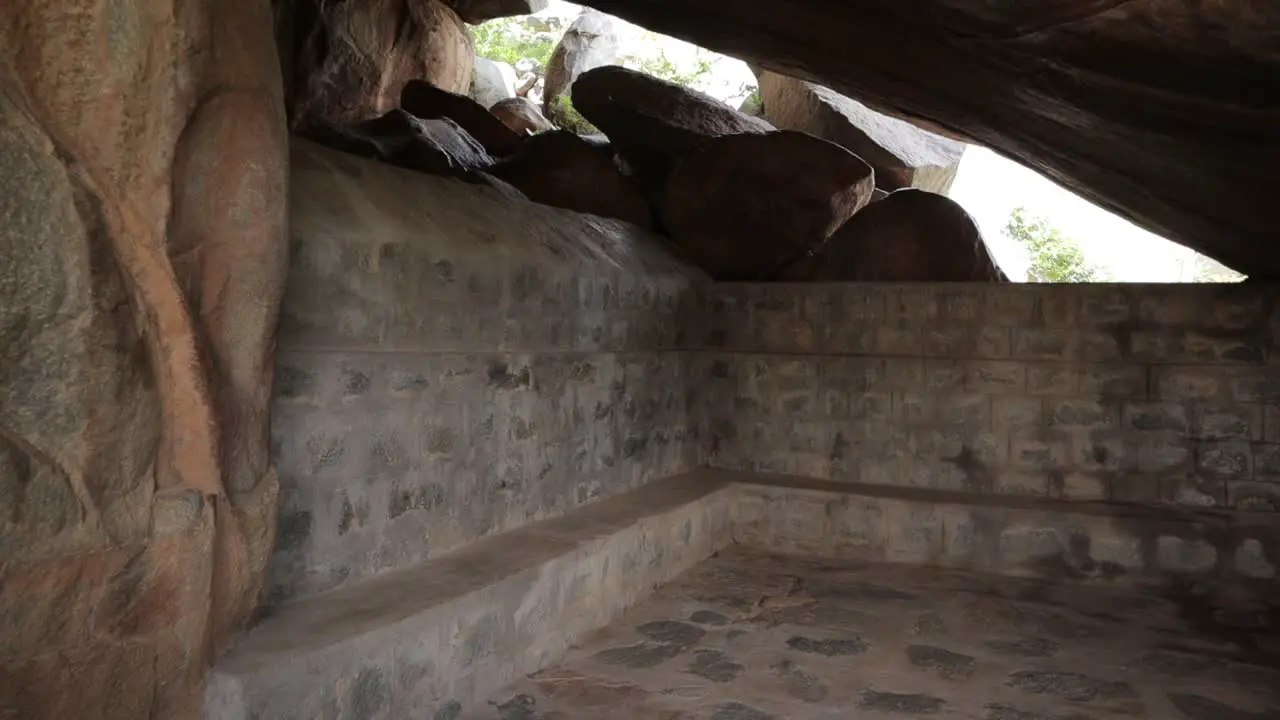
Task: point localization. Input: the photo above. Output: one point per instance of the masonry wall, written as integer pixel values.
(1128, 394)
(454, 364)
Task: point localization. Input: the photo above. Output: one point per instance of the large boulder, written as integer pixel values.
(143, 251)
(588, 43)
(909, 236)
(561, 169)
(1161, 111)
(356, 56)
(902, 154)
(521, 116)
(743, 206)
(478, 11)
(492, 82)
(428, 102)
(652, 122)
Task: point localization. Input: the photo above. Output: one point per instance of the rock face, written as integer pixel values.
(902, 154)
(144, 252)
(652, 122)
(478, 11)
(743, 206)
(521, 116)
(423, 100)
(492, 82)
(355, 56)
(1155, 110)
(437, 146)
(909, 236)
(561, 169)
(588, 43)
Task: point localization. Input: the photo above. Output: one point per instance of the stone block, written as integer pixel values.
(1146, 416)
(1100, 450)
(1193, 490)
(1056, 307)
(1046, 344)
(1172, 306)
(1051, 379)
(1009, 414)
(1135, 488)
(1009, 306)
(1229, 460)
(1271, 423)
(1182, 383)
(1039, 450)
(898, 340)
(1255, 386)
(995, 377)
(1266, 461)
(1253, 496)
(948, 339)
(1156, 453)
(1102, 347)
(1114, 382)
(1022, 483)
(943, 376)
(1082, 486)
(1227, 422)
(1080, 413)
(1105, 305)
(1180, 555)
(1251, 560)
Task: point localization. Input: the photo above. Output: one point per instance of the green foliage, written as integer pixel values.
(566, 116)
(1209, 270)
(661, 66)
(513, 39)
(1054, 256)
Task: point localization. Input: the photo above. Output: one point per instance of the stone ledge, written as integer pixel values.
(449, 632)
(1004, 534)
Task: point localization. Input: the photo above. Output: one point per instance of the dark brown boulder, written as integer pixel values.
(428, 102)
(437, 146)
(743, 206)
(1165, 112)
(902, 154)
(561, 169)
(652, 122)
(356, 56)
(478, 11)
(909, 236)
(521, 116)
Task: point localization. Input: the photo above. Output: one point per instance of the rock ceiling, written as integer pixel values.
(1165, 111)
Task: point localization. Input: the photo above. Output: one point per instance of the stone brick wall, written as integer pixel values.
(1138, 394)
(453, 364)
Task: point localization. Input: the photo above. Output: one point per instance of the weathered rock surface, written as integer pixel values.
(588, 43)
(909, 236)
(436, 146)
(521, 116)
(478, 11)
(652, 122)
(1161, 111)
(561, 169)
(902, 154)
(425, 101)
(355, 57)
(492, 82)
(142, 258)
(743, 206)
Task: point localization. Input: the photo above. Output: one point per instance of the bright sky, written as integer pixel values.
(988, 185)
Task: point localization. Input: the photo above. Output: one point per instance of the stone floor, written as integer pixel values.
(753, 637)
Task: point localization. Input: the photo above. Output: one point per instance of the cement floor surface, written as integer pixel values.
(746, 636)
